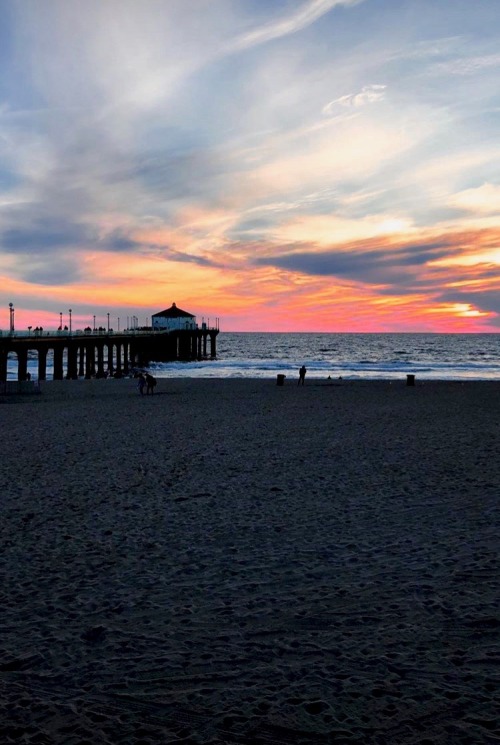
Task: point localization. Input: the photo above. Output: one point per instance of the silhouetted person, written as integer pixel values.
(150, 384)
(302, 375)
(141, 382)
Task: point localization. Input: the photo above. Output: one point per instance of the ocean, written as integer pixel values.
(349, 356)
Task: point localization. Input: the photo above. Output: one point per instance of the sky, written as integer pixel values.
(282, 165)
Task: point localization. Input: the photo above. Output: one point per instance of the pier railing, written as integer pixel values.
(41, 333)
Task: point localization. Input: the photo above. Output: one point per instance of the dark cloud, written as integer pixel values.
(172, 255)
(487, 300)
(44, 234)
(41, 270)
(117, 242)
(384, 265)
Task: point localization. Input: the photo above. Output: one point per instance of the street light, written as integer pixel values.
(11, 309)
(70, 312)
(108, 323)
(118, 325)
(60, 321)
(93, 328)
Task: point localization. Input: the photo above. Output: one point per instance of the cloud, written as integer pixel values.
(309, 13)
(486, 301)
(383, 265)
(116, 241)
(483, 199)
(368, 94)
(467, 65)
(180, 175)
(401, 268)
(185, 258)
(61, 270)
(46, 235)
(430, 48)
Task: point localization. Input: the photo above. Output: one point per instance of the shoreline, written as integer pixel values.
(234, 561)
(83, 389)
(289, 382)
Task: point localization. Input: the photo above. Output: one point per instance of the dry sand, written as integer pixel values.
(237, 562)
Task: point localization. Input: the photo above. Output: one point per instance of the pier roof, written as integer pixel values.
(173, 312)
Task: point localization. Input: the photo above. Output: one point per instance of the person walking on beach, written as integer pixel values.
(150, 384)
(141, 382)
(302, 375)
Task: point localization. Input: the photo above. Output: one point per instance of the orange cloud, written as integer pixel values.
(422, 282)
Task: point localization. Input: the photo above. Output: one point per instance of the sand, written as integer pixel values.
(238, 562)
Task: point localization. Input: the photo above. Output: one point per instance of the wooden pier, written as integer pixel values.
(100, 353)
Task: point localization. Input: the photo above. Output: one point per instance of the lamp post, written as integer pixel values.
(118, 324)
(93, 327)
(11, 310)
(70, 312)
(108, 323)
(60, 321)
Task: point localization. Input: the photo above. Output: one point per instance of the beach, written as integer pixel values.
(232, 561)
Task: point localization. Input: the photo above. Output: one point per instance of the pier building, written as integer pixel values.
(173, 319)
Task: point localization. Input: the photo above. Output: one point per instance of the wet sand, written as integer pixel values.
(238, 562)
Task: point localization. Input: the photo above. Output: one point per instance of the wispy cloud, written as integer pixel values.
(368, 94)
(307, 14)
(429, 49)
(468, 65)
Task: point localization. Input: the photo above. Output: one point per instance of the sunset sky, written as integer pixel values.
(284, 165)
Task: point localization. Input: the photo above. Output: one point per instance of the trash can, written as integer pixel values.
(410, 380)
(280, 379)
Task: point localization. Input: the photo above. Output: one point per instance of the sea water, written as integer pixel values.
(349, 356)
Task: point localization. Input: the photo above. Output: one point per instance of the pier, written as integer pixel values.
(100, 353)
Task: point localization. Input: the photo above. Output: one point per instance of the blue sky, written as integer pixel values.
(299, 164)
